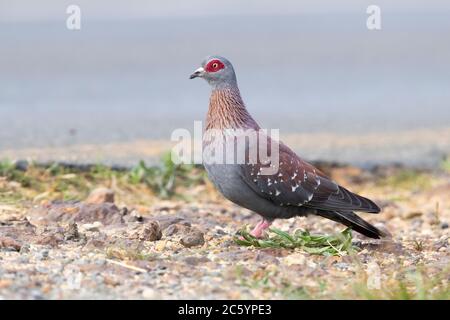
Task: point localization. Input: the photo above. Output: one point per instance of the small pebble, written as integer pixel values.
(192, 239)
(42, 255)
(341, 265)
(71, 233)
(25, 249)
(93, 227)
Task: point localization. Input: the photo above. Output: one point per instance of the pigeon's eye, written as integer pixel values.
(214, 66)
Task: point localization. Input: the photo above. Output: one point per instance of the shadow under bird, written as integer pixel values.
(296, 189)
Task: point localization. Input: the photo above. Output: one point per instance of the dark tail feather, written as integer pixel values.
(350, 219)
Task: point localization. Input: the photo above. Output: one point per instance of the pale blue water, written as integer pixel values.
(128, 79)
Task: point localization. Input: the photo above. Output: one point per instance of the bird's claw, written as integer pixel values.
(259, 230)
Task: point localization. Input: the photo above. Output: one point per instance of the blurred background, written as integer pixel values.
(114, 91)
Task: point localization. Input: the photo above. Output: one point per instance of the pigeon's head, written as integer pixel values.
(217, 70)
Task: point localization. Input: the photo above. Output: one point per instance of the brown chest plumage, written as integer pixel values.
(227, 111)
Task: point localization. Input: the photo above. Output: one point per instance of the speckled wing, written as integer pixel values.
(298, 183)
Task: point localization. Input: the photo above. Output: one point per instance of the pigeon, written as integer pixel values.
(296, 188)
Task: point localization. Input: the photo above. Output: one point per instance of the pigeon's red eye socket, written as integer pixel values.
(214, 66)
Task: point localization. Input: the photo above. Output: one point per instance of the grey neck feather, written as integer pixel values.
(226, 82)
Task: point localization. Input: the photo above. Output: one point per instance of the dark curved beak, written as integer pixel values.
(197, 73)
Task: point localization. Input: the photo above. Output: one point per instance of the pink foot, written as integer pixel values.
(259, 229)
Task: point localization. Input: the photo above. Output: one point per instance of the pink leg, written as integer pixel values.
(259, 229)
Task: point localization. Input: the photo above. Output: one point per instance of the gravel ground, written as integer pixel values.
(107, 248)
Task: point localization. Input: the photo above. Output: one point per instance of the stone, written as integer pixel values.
(133, 216)
(194, 238)
(42, 255)
(21, 165)
(100, 195)
(10, 243)
(25, 248)
(175, 229)
(149, 231)
(341, 265)
(71, 232)
(93, 227)
(52, 239)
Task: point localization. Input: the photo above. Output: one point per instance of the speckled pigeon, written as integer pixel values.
(296, 189)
